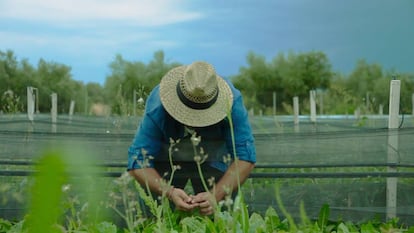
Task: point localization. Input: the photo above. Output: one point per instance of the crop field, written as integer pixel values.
(339, 161)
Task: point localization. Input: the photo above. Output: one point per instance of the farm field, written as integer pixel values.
(339, 161)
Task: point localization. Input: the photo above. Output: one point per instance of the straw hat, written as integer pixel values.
(195, 95)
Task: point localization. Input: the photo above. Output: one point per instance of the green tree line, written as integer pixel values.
(285, 76)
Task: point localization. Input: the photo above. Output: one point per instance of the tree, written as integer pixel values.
(363, 83)
(128, 76)
(294, 75)
(55, 78)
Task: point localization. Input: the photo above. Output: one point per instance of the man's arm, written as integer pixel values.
(150, 177)
(238, 171)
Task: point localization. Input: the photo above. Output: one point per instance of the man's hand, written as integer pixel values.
(181, 200)
(205, 201)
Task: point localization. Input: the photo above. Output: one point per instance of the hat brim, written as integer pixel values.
(189, 116)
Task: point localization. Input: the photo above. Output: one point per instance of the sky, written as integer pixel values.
(87, 34)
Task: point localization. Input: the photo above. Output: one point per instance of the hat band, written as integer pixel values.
(195, 105)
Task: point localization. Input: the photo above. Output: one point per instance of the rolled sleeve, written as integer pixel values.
(147, 141)
(145, 146)
(242, 131)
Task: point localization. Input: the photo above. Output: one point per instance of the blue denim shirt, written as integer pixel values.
(158, 127)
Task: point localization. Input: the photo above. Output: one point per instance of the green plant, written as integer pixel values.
(12, 103)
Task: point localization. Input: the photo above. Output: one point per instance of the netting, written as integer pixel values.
(341, 161)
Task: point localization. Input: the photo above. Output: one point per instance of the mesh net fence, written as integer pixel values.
(342, 161)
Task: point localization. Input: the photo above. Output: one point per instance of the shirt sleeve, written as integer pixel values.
(242, 132)
(148, 138)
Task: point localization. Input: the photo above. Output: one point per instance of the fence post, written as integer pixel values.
(30, 103)
(321, 110)
(53, 112)
(296, 110)
(134, 99)
(392, 158)
(71, 109)
(313, 106)
(412, 100)
(274, 103)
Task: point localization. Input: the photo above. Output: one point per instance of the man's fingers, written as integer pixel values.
(184, 206)
(182, 201)
(201, 197)
(207, 211)
(204, 204)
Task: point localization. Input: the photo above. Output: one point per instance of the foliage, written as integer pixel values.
(132, 77)
(12, 103)
(287, 75)
(290, 76)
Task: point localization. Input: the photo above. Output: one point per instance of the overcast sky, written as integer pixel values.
(87, 34)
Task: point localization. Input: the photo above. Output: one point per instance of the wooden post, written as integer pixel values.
(296, 110)
(313, 106)
(251, 112)
(71, 109)
(412, 100)
(392, 158)
(30, 104)
(135, 102)
(274, 103)
(357, 113)
(86, 100)
(53, 111)
(321, 103)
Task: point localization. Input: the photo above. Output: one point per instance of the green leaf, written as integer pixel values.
(257, 223)
(241, 212)
(303, 215)
(368, 228)
(16, 228)
(342, 228)
(5, 225)
(210, 226)
(106, 227)
(282, 208)
(323, 216)
(193, 224)
(45, 207)
(272, 220)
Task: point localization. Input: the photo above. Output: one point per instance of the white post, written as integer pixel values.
(296, 110)
(30, 103)
(357, 113)
(392, 158)
(321, 103)
(394, 106)
(251, 112)
(53, 111)
(274, 103)
(134, 99)
(313, 106)
(381, 110)
(86, 100)
(412, 100)
(71, 109)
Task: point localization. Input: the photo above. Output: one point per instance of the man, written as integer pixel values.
(193, 102)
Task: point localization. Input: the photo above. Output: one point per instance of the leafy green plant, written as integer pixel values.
(5, 225)
(11, 102)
